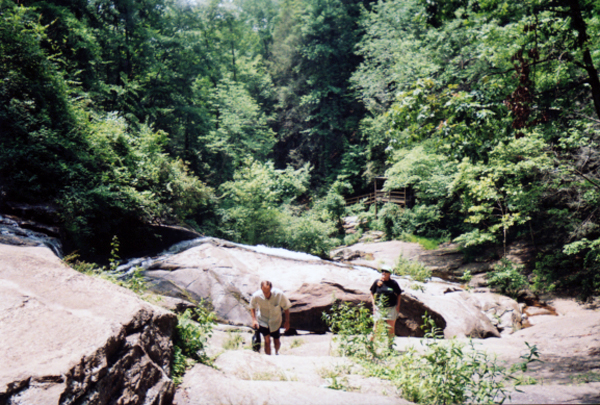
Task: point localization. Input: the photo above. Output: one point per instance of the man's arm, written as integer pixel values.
(285, 304)
(254, 321)
(373, 301)
(398, 298)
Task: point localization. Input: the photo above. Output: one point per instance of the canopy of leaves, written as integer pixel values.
(210, 114)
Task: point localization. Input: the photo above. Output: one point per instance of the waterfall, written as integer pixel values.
(12, 233)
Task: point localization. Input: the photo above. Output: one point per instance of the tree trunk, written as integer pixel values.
(588, 64)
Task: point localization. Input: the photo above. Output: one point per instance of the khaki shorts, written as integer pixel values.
(386, 314)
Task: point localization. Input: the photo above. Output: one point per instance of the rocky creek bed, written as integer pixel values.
(69, 338)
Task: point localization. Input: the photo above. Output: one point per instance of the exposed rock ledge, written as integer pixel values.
(226, 274)
(66, 338)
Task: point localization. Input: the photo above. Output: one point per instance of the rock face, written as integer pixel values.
(461, 316)
(66, 338)
(226, 275)
(503, 312)
(446, 262)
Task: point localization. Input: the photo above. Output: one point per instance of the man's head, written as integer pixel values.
(386, 273)
(266, 286)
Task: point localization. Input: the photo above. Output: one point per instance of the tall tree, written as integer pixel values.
(311, 65)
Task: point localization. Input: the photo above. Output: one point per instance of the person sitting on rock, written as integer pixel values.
(270, 301)
(387, 292)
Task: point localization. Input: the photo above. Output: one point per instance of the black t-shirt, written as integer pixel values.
(389, 290)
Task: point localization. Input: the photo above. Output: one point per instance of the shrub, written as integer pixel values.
(352, 238)
(309, 233)
(426, 243)
(416, 270)
(502, 195)
(387, 218)
(446, 372)
(193, 330)
(355, 336)
(234, 341)
(251, 205)
(366, 219)
(351, 324)
(507, 277)
(575, 268)
(419, 220)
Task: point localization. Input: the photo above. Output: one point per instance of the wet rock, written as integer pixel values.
(478, 281)
(69, 338)
(41, 213)
(13, 232)
(537, 311)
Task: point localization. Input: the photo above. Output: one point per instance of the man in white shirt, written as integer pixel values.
(269, 302)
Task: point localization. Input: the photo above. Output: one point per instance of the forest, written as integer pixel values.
(252, 120)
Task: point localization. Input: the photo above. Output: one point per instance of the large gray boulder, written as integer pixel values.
(226, 274)
(502, 311)
(462, 317)
(67, 338)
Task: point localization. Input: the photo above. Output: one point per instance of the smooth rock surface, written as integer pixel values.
(245, 377)
(69, 338)
(568, 345)
(226, 274)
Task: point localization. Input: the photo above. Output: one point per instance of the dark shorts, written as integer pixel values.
(265, 332)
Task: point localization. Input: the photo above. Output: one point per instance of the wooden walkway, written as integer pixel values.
(398, 197)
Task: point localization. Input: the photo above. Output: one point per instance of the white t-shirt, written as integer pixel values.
(269, 310)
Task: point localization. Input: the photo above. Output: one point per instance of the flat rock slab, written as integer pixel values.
(556, 394)
(66, 337)
(382, 253)
(245, 377)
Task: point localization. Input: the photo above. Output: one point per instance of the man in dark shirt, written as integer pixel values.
(388, 291)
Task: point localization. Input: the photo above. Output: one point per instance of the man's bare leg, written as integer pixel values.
(277, 343)
(268, 344)
(391, 330)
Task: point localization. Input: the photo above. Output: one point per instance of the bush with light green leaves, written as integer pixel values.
(445, 372)
(194, 328)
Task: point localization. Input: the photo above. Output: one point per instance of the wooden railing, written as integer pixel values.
(395, 196)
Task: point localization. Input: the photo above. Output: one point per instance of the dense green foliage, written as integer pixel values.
(194, 328)
(252, 119)
(508, 278)
(488, 111)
